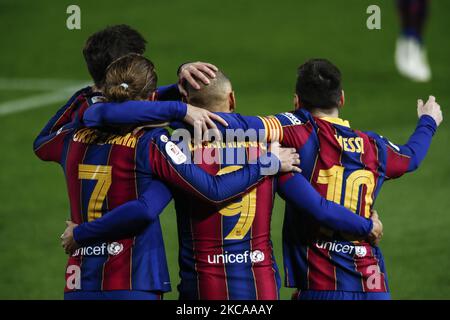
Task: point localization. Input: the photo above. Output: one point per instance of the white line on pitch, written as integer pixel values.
(37, 84)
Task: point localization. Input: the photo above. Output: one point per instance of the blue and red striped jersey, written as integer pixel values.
(226, 252)
(348, 167)
(105, 170)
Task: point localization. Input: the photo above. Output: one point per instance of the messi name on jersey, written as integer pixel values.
(351, 144)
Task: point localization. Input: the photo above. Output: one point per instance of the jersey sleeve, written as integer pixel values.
(295, 189)
(399, 159)
(169, 92)
(297, 128)
(68, 112)
(127, 220)
(133, 113)
(288, 128)
(48, 144)
(175, 167)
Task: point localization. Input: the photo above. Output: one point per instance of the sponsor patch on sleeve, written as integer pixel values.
(175, 153)
(292, 118)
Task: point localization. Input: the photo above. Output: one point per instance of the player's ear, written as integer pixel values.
(152, 96)
(232, 101)
(297, 102)
(342, 100)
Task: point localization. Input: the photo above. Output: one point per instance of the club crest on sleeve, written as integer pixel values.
(164, 138)
(96, 99)
(175, 153)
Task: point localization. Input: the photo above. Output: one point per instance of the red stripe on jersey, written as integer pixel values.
(297, 135)
(396, 163)
(207, 233)
(382, 278)
(321, 270)
(75, 155)
(372, 280)
(117, 269)
(51, 150)
(264, 274)
(69, 114)
(73, 273)
(163, 168)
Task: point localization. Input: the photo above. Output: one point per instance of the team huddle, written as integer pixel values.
(222, 169)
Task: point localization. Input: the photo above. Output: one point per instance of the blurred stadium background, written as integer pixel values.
(258, 44)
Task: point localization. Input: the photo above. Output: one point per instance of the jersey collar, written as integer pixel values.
(338, 121)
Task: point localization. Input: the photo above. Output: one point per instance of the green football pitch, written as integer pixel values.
(258, 44)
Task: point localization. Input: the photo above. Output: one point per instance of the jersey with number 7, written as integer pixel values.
(105, 170)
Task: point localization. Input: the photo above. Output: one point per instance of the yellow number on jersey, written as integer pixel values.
(246, 207)
(334, 177)
(103, 176)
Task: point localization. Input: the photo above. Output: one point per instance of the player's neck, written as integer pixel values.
(225, 108)
(96, 89)
(320, 113)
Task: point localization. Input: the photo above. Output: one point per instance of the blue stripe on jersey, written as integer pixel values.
(149, 257)
(149, 260)
(188, 288)
(308, 155)
(293, 250)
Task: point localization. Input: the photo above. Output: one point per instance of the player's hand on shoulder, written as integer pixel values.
(193, 72)
(430, 108)
(377, 230)
(203, 118)
(289, 158)
(67, 241)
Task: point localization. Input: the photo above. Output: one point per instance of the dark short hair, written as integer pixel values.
(109, 44)
(319, 84)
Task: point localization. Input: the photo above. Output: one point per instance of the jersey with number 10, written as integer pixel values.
(348, 167)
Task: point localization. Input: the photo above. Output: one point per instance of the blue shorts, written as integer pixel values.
(113, 295)
(341, 295)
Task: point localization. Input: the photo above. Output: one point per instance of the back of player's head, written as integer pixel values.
(131, 77)
(211, 95)
(109, 44)
(319, 84)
